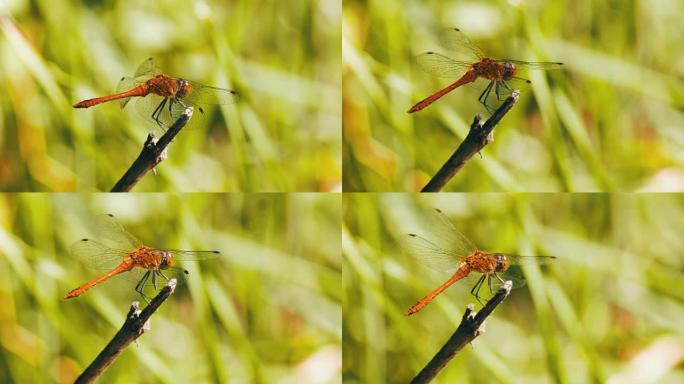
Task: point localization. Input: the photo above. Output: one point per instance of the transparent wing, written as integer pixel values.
(97, 255)
(442, 246)
(442, 66)
(193, 255)
(457, 42)
(106, 227)
(431, 254)
(148, 281)
(204, 94)
(529, 260)
(173, 108)
(146, 70)
(126, 84)
(533, 65)
(145, 107)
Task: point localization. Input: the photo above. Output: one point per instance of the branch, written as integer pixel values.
(470, 328)
(479, 136)
(137, 322)
(153, 153)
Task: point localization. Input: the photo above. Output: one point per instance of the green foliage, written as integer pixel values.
(264, 309)
(281, 58)
(610, 120)
(609, 307)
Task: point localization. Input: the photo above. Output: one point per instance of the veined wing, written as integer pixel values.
(443, 246)
(204, 94)
(107, 227)
(97, 255)
(456, 41)
(146, 70)
(192, 255)
(543, 65)
(529, 260)
(442, 66)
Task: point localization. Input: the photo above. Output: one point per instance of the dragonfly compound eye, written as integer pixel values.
(184, 88)
(501, 262)
(167, 260)
(509, 70)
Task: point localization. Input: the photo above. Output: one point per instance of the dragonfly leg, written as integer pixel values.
(140, 287)
(154, 280)
(185, 106)
(485, 95)
(158, 111)
(500, 279)
(171, 103)
(476, 288)
(161, 273)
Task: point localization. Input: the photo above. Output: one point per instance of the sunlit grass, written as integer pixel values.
(596, 125)
(263, 309)
(283, 135)
(605, 309)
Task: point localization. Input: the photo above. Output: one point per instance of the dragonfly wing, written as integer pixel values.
(530, 260)
(204, 94)
(107, 227)
(443, 246)
(442, 66)
(444, 229)
(146, 107)
(148, 281)
(193, 255)
(457, 42)
(126, 84)
(516, 277)
(543, 65)
(97, 255)
(147, 69)
(431, 254)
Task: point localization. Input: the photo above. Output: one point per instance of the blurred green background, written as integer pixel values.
(268, 310)
(611, 120)
(283, 58)
(609, 310)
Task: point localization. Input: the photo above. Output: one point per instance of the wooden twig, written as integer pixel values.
(137, 322)
(153, 153)
(470, 328)
(479, 136)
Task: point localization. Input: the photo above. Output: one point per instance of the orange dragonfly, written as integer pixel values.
(168, 96)
(150, 267)
(449, 249)
(476, 65)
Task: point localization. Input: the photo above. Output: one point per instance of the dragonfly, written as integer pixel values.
(448, 250)
(163, 98)
(499, 72)
(150, 267)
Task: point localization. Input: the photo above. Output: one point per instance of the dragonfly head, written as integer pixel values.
(167, 260)
(184, 88)
(502, 262)
(509, 70)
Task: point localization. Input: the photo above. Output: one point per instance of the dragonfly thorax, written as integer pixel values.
(495, 70)
(149, 258)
